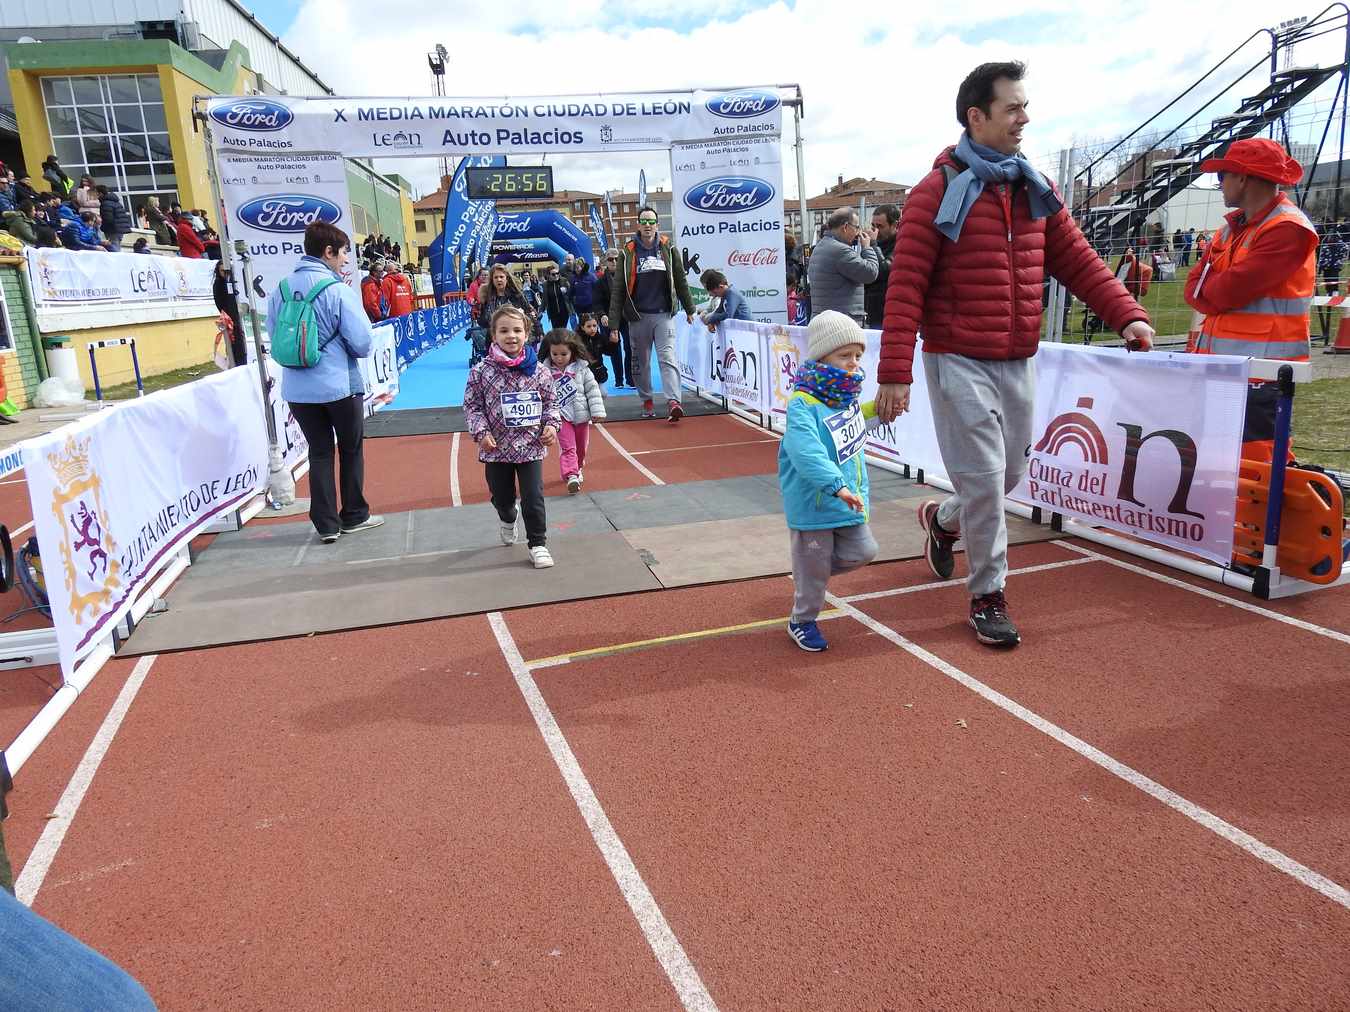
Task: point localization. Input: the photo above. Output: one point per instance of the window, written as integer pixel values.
(6, 328)
(112, 127)
(420, 226)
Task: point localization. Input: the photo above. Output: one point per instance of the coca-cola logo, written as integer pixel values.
(766, 256)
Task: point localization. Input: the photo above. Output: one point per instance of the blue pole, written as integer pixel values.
(93, 368)
(1284, 416)
(136, 366)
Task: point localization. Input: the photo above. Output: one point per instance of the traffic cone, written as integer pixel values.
(1341, 344)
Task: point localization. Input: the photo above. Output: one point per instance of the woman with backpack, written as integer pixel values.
(319, 333)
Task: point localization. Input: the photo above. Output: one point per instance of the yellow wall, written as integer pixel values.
(35, 138)
(189, 150)
(14, 382)
(410, 242)
(161, 347)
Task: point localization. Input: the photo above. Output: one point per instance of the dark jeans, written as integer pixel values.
(615, 353)
(501, 483)
(319, 423)
(627, 355)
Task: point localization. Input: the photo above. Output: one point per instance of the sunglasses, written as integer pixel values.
(646, 221)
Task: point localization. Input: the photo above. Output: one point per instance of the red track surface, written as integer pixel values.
(373, 819)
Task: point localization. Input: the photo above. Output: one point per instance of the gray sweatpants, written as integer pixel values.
(655, 329)
(982, 416)
(818, 555)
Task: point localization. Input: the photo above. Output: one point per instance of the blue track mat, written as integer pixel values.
(436, 379)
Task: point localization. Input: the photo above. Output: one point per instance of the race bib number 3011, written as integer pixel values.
(847, 429)
(522, 408)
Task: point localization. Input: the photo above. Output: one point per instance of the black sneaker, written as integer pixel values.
(937, 548)
(989, 619)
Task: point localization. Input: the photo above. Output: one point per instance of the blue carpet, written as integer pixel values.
(436, 380)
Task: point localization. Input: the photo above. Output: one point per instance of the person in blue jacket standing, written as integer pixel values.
(822, 471)
(328, 399)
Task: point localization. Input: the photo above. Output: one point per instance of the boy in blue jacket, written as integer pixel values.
(822, 472)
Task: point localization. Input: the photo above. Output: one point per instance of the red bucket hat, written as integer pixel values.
(1258, 157)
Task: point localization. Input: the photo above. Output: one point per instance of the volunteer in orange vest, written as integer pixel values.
(397, 290)
(1255, 282)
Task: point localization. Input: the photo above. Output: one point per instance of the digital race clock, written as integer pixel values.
(513, 182)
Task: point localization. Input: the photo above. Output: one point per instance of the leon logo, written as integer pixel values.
(288, 212)
(729, 195)
(257, 114)
(742, 104)
(88, 552)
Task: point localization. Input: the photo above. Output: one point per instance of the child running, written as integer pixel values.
(511, 410)
(579, 400)
(822, 472)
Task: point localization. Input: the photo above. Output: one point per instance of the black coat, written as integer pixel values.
(874, 295)
(116, 217)
(603, 290)
(558, 300)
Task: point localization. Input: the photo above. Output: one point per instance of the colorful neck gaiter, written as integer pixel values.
(835, 387)
(525, 361)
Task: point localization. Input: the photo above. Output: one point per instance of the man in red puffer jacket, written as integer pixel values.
(977, 236)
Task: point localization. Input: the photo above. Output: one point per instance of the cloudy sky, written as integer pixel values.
(879, 77)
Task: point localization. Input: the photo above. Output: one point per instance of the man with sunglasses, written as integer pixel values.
(645, 292)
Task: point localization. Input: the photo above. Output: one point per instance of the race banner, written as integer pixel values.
(696, 350)
(389, 127)
(1148, 445)
(642, 187)
(609, 216)
(728, 211)
(598, 227)
(62, 277)
(461, 215)
(739, 364)
(115, 494)
(269, 199)
(380, 369)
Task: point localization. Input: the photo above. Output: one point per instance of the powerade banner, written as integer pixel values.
(728, 215)
(269, 199)
(549, 233)
(424, 329)
(392, 127)
(457, 237)
(599, 228)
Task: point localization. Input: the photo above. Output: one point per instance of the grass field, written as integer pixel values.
(164, 381)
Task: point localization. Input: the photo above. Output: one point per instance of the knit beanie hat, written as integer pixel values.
(829, 331)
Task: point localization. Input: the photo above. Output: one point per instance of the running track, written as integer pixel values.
(657, 802)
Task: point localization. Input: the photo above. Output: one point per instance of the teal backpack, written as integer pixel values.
(295, 337)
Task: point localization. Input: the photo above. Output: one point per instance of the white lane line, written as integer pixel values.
(21, 530)
(1043, 567)
(455, 500)
(44, 852)
(669, 953)
(1255, 609)
(628, 456)
(704, 446)
(1245, 841)
(408, 538)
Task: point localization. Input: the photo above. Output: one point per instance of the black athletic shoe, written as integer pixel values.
(937, 549)
(989, 619)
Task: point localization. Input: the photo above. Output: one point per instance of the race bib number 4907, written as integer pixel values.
(522, 408)
(847, 429)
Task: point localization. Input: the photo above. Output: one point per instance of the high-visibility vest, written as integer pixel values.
(1275, 325)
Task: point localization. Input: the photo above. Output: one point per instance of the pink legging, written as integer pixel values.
(573, 439)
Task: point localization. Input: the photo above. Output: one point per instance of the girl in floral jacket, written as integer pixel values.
(512, 413)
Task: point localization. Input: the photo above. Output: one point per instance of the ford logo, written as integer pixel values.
(252, 114)
(729, 195)
(288, 212)
(521, 225)
(742, 104)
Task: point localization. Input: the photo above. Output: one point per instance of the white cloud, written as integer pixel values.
(879, 78)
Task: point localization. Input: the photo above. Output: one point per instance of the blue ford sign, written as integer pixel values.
(742, 104)
(729, 195)
(288, 212)
(252, 114)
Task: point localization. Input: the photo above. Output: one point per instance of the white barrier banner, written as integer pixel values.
(294, 446)
(728, 211)
(380, 369)
(696, 349)
(67, 277)
(739, 364)
(269, 199)
(115, 495)
(1148, 444)
(411, 127)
